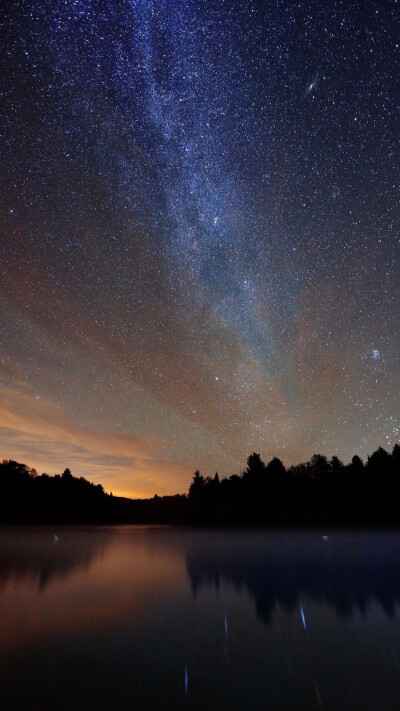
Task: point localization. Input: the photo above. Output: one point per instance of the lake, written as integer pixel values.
(164, 618)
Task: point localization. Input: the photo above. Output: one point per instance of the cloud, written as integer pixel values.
(34, 416)
(46, 437)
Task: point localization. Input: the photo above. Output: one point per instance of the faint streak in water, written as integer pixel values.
(186, 680)
(318, 695)
(226, 626)
(303, 618)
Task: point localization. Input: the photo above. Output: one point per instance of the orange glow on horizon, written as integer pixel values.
(45, 437)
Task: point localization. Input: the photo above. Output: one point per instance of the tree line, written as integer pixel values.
(321, 491)
(316, 492)
(27, 497)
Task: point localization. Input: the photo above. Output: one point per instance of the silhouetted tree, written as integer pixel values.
(197, 485)
(317, 492)
(336, 465)
(396, 456)
(255, 470)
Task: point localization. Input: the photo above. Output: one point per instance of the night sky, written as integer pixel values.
(199, 235)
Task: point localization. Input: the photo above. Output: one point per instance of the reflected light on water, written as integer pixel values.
(74, 587)
(180, 619)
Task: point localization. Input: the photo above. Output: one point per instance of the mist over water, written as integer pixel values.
(159, 618)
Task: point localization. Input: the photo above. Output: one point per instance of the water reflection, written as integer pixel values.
(345, 571)
(166, 619)
(39, 555)
(87, 580)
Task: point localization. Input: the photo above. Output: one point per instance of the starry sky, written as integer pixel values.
(199, 235)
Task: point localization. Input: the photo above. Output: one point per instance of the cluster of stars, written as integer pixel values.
(200, 239)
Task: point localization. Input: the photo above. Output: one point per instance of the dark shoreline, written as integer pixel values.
(317, 494)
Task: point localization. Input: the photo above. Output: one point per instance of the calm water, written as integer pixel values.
(150, 618)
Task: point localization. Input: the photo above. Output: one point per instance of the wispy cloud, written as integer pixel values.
(48, 438)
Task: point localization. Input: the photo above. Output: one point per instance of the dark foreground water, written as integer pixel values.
(150, 618)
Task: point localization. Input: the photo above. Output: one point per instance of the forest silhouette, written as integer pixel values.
(317, 492)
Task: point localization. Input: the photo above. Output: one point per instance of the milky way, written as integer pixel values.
(200, 235)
